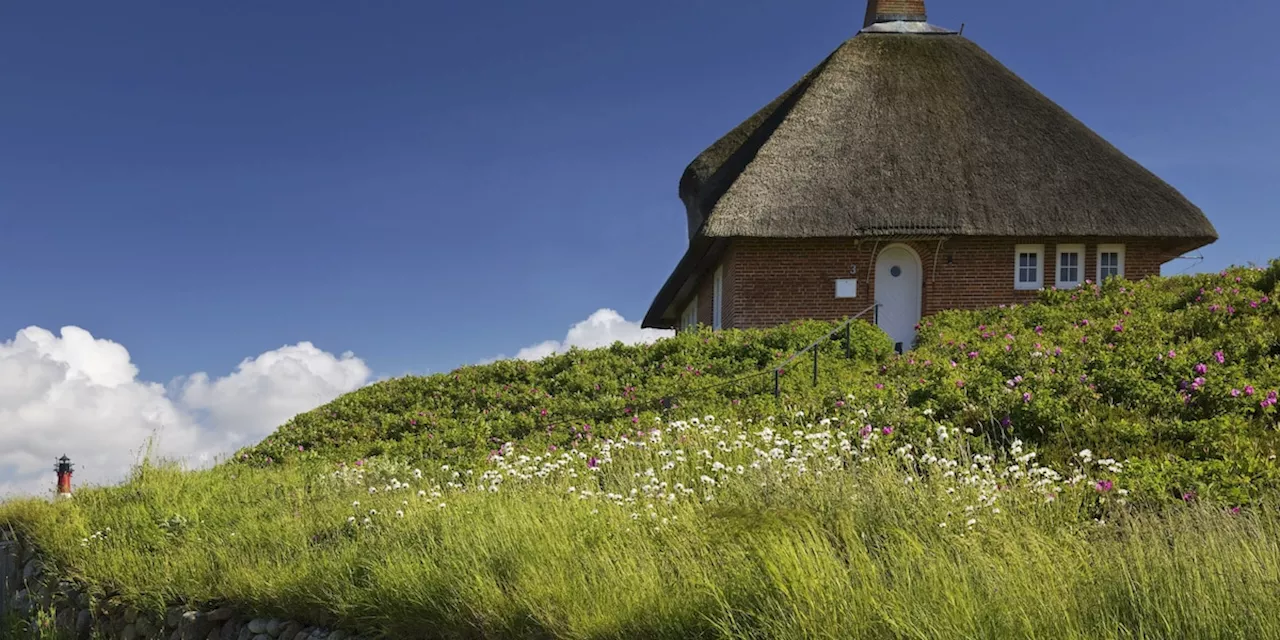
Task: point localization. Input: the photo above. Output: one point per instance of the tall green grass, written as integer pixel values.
(857, 554)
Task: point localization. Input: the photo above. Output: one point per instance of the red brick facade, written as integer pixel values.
(771, 281)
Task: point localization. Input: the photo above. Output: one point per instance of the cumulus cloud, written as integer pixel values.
(80, 395)
(600, 329)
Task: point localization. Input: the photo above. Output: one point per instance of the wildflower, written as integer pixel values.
(1103, 486)
(1026, 397)
(1235, 393)
(1220, 357)
(1202, 368)
(888, 431)
(959, 384)
(399, 513)
(1248, 390)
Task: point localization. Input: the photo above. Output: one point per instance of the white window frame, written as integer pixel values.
(717, 299)
(689, 319)
(1018, 250)
(1063, 249)
(1117, 249)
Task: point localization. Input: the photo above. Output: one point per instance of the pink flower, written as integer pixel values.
(1103, 486)
(300, 448)
(1172, 354)
(888, 431)
(1026, 397)
(1202, 368)
(1039, 329)
(593, 463)
(960, 384)
(1248, 390)
(879, 385)
(1220, 357)
(1235, 393)
(973, 354)
(1118, 328)
(865, 431)
(1189, 496)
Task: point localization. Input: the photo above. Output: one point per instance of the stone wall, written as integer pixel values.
(32, 597)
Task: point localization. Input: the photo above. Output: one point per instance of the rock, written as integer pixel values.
(65, 619)
(257, 626)
(130, 632)
(289, 630)
(262, 636)
(22, 602)
(229, 629)
(130, 615)
(273, 627)
(31, 570)
(220, 614)
(146, 627)
(172, 616)
(84, 623)
(337, 635)
(214, 634)
(245, 633)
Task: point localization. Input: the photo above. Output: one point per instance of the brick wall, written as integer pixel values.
(770, 281)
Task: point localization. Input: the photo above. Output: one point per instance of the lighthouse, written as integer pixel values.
(64, 476)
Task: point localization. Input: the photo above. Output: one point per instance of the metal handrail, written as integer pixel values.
(846, 326)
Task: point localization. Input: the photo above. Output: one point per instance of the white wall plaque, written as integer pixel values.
(847, 288)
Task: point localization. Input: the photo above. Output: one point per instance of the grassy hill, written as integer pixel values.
(1098, 464)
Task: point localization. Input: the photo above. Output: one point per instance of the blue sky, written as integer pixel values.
(430, 184)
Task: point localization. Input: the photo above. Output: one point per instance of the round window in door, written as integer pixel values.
(898, 288)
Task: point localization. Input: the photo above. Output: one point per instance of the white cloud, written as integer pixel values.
(76, 394)
(601, 329)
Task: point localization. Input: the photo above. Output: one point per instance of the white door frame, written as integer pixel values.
(919, 300)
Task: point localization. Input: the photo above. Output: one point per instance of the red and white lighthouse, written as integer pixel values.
(64, 476)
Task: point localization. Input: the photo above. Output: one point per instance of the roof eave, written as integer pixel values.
(662, 312)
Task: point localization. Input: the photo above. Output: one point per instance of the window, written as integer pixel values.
(717, 299)
(1070, 265)
(1110, 261)
(690, 318)
(1028, 266)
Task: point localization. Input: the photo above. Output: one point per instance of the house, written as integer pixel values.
(913, 170)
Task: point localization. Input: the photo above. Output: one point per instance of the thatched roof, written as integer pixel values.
(904, 133)
(909, 129)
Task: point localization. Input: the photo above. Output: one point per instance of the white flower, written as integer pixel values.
(399, 513)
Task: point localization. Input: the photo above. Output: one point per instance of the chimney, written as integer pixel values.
(893, 11)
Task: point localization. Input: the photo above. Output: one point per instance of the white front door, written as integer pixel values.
(898, 285)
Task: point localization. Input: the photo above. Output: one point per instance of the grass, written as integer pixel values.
(829, 541)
